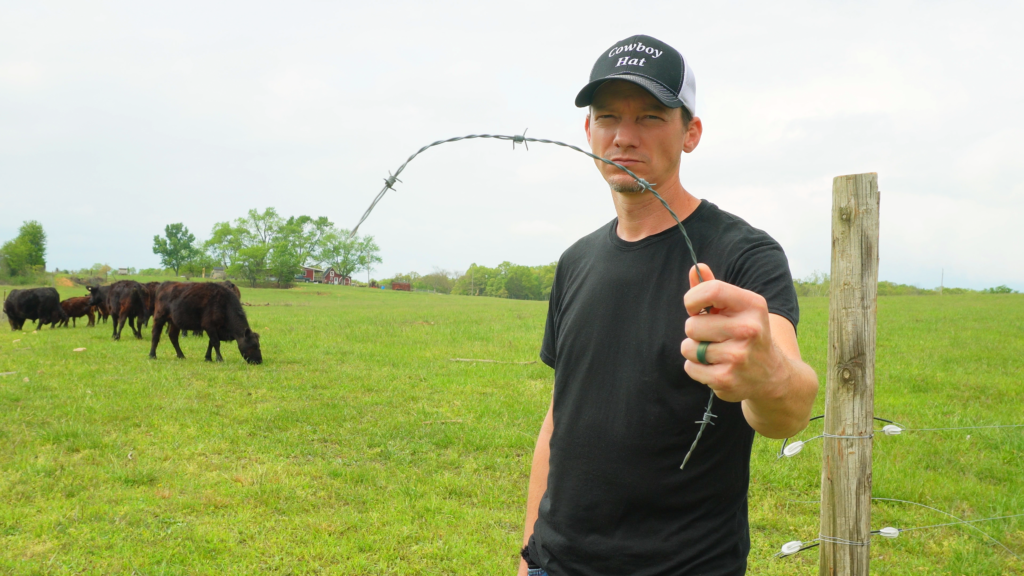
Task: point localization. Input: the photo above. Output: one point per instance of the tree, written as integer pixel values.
(474, 281)
(340, 251)
(521, 283)
(285, 262)
(176, 248)
(367, 255)
(200, 262)
(251, 263)
(265, 243)
(308, 237)
(224, 243)
(25, 253)
(260, 228)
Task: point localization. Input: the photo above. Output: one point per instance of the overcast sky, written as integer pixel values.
(119, 118)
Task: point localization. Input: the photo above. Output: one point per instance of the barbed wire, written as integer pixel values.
(392, 179)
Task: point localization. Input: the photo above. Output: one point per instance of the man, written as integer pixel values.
(606, 495)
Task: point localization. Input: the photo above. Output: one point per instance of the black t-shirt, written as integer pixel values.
(625, 411)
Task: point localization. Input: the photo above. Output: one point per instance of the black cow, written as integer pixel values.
(210, 307)
(149, 289)
(42, 304)
(227, 284)
(126, 300)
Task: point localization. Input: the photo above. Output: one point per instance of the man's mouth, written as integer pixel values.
(625, 161)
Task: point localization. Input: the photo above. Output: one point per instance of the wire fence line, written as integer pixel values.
(392, 179)
(891, 429)
(796, 546)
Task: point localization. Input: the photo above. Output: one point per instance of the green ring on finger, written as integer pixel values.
(702, 353)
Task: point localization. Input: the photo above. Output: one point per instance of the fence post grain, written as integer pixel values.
(850, 382)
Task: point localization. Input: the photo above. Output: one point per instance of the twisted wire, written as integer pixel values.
(389, 184)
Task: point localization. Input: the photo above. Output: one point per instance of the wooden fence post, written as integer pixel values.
(850, 382)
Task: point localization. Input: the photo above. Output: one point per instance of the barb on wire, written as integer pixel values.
(524, 140)
(520, 140)
(703, 424)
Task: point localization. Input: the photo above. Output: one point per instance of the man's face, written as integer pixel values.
(629, 126)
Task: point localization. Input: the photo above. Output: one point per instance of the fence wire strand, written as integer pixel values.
(392, 179)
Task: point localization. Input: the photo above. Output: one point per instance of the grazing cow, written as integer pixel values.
(210, 307)
(75, 308)
(126, 301)
(230, 286)
(41, 304)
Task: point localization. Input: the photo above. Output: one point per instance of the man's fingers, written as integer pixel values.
(727, 352)
(706, 275)
(715, 377)
(705, 272)
(711, 327)
(719, 296)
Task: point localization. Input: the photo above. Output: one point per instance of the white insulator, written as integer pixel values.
(792, 450)
(891, 430)
(889, 532)
(792, 547)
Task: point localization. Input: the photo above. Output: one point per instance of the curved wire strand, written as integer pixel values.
(389, 184)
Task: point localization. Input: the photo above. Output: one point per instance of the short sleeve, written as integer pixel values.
(549, 347)
(764, 269)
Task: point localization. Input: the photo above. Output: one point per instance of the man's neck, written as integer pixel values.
(642, 215)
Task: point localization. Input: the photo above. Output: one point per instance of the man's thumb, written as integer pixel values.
(705, 274)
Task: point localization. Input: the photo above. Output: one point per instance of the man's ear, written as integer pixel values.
(586, 126)
(693, 132)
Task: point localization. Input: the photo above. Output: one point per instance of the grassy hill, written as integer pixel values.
(359, 447)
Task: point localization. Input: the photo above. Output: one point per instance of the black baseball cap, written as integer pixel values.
(647, 62)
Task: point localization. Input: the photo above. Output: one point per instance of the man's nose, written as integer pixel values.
(626, 135)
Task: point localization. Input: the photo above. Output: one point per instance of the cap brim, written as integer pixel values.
(657, 89)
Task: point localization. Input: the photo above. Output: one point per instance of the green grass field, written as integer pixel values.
(358, 447)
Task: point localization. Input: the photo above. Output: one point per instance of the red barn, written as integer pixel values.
(331, 276)
(401, 286)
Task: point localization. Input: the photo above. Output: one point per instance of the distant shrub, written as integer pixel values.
(1001, 289)
(817, 284)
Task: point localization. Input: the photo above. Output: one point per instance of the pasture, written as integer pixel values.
(358, 447)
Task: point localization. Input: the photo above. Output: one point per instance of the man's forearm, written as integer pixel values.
(538, 480)
(784, 407)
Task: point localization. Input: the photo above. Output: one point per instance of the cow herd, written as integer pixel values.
(213, 308)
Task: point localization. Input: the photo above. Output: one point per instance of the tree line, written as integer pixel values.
(265, 246)
(820, 283)
(506, 280)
